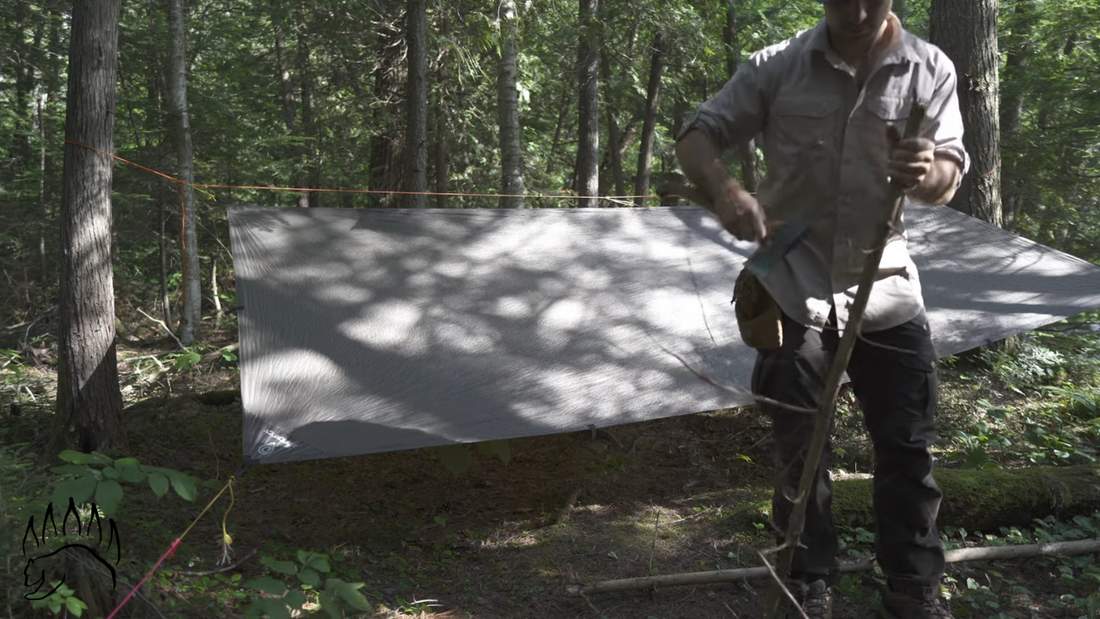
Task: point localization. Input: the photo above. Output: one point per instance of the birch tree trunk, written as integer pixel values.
(191, 316)
(967, 33)
(511, 149)
(588, 133)
(416, 110)
(653, 91)
(89, 404)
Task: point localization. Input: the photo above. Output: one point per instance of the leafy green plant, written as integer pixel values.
(279, 599)
(1026, 365)
(97, 477)
(61, 599)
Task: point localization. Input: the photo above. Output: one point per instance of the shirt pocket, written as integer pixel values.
(889, 110)
(805, 125)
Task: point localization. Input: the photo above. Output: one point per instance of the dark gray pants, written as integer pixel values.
(897, 393)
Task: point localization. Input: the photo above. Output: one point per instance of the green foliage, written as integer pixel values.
(1042, 436)
(983, 590)
(60, 600)
(96, 476)
(1027, 364)
(305, 586)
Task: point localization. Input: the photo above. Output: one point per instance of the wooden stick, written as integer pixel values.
(827, 404)
(960, 555)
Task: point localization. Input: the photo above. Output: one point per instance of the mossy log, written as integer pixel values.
(987, 499)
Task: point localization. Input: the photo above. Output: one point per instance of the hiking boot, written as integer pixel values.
(816, 598)
(922, 603)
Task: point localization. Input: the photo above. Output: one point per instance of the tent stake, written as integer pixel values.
(960, 555)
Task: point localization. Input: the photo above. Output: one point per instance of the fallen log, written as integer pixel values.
(988, 499)
(960, 555)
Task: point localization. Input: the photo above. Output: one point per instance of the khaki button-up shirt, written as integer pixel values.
(826, 149)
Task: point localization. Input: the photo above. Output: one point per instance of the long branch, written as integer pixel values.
(959, 555)
(827, 403)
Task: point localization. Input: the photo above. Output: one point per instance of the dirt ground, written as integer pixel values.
(500, 541)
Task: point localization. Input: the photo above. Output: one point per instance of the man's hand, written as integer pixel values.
(739, 213)
(926, 177)
(911, 159)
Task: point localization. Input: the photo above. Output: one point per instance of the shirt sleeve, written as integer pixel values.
(736, 114)
(944, 124)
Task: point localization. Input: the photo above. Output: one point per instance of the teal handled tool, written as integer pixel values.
(782, 236)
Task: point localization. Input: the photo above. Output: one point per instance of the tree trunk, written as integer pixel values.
(308, 128)
(511, 150)
(191, 316)
(613, 158)
(416, 106)
(563, 111)
(24, 86)
(967, 33)
(746, 151)
(89, 404)
(653, 91)
(43, 201)
(441, 119)
(290, 104)
(162, 215)
(588, 78)
(1012, 105)
(386, 148)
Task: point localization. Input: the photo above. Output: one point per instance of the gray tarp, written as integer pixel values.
(372, 330)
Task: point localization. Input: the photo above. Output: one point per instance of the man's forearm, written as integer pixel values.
(939, 184)
(702, 163)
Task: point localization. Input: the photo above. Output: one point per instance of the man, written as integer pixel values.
(831, 104)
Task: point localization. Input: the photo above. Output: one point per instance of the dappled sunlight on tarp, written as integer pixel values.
(370, 330)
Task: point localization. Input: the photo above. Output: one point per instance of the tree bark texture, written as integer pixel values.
(308, 127)
(388, 142)
(649, 126)
(967, 33)
(89, 404)
(613, 157)
(191, 316)
(441, 118)
(511, 149)
(416, 106)
(746, 151)
(588, 133)
(1020, 49)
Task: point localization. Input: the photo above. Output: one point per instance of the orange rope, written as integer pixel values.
(364, 191)
(993, 170)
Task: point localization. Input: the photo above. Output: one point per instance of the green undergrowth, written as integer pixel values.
(505, 526)
(1031, 401)
(1012, 589)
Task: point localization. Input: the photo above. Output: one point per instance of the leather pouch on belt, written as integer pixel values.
(758, 315)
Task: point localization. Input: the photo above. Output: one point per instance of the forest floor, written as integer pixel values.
(503, 541)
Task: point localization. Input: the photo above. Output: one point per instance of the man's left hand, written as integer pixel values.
(911, 159)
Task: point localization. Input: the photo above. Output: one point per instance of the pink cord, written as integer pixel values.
(171, 551)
